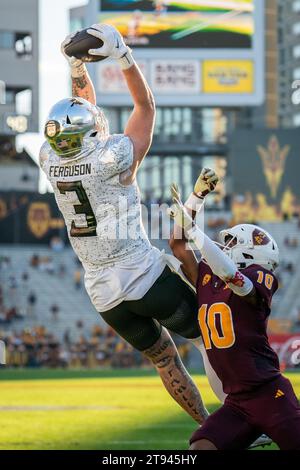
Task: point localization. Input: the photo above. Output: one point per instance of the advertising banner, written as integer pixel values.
(228, 76)
(198, 53)
(175, 76)
(29, 218)
(191, 24)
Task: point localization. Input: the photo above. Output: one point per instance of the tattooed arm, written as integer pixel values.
(164, 356)
(83, 87)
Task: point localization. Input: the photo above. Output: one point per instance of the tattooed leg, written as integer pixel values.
(175, 377)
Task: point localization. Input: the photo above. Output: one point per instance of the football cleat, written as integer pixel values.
(262, 441)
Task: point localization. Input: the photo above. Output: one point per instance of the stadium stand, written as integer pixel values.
(46, 317)
(51, 282)
(286, 301)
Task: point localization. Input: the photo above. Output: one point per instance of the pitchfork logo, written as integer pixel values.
(273, 159)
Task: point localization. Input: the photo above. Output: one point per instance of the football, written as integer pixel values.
(81, 43)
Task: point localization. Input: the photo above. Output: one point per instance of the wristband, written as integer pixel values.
(78, 71)
(126, 61)
(194, 202)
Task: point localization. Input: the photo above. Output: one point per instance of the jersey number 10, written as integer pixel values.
(208, 324)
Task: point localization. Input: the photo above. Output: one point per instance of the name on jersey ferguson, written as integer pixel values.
(73, 170)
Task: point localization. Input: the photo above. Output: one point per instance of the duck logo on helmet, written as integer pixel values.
(52, 128)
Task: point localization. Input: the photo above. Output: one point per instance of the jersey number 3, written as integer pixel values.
(83, 208)
(223, 337)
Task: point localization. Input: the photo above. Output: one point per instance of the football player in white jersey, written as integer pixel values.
(93, 175)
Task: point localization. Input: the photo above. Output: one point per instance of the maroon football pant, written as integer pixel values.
(272, 409)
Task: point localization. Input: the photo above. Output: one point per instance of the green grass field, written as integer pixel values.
(94, 410)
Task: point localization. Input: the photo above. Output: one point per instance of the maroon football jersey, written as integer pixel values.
(234, 331)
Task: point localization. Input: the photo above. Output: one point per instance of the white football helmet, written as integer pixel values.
(71, 124)
(248, 244)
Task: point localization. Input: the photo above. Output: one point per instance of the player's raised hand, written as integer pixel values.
(113, 42)
(178, 212)
(73, 62)
(175, 193)
(206, 182)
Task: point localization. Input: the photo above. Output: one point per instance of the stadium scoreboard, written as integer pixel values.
(193, 52)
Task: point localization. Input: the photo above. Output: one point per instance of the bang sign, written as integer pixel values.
(260, 238)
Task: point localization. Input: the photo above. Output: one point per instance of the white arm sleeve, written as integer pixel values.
(220, 263)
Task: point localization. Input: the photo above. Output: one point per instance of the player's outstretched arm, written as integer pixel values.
(141, 121)
(205, 184)
(219, 262)
(140, 124)
(82, 85)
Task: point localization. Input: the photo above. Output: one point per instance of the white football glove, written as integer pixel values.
(73, 62)
(113, 42)
(206, 182)
(178, 212)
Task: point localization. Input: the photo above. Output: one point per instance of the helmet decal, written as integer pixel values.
(52, 128)
(260, 238)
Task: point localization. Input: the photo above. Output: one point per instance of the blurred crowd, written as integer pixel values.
(30, 333)
(20, 301)
(37, 347)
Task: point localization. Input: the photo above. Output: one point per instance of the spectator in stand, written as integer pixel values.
(62, 270)
(97, 331)
(54, 310)
(291, 242)
(57, 244)
(290, 268)
(77, 279)
(3, 317)
(13, 290)
(35, 261)
(25, 277)
(46, 265)
(80, 325)
(296, 325)
(24, 289)
(67, 337)
(13, 314)
(31, 304)
(36, 347)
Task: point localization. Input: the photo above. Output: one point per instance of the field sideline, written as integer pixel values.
(109, 410)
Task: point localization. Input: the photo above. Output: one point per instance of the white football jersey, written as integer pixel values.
(103, 217)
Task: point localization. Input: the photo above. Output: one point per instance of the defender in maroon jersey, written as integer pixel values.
(235, 286)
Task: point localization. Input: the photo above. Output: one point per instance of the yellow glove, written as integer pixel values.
(206, 182)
